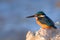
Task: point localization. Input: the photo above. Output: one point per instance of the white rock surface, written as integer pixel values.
(44, 34)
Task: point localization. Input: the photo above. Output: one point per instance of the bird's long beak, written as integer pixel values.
(31, 16)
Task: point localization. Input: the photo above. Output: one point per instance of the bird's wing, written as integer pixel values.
(47, 21)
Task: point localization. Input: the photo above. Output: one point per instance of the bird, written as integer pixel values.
(43, 20)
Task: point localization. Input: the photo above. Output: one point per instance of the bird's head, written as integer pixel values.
(38, 14)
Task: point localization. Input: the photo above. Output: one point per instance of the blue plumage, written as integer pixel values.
(46, 20)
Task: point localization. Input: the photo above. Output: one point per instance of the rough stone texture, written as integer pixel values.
(44, 34)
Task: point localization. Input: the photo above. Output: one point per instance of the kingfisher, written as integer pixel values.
(43, 20)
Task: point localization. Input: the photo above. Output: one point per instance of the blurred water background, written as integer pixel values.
(13, 22)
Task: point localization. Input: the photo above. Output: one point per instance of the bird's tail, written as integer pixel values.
(55, 27)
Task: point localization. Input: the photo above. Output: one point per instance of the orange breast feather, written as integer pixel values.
(42, 25)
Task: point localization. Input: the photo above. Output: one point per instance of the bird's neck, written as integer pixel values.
(37, 18)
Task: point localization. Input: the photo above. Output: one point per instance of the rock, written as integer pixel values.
(44, 34)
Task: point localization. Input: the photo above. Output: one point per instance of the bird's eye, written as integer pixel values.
(38, 15)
